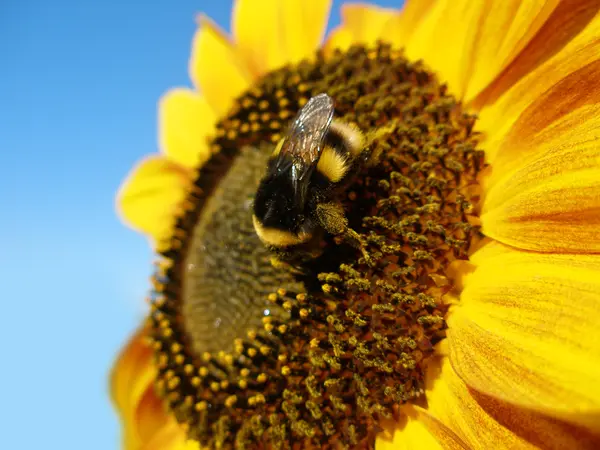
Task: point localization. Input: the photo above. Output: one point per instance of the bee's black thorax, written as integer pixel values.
(278, 204)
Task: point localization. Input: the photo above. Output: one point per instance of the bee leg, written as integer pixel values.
(332, 218)
(294, 258)
(278, 263)
(354, 239)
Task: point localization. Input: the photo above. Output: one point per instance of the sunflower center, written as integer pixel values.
(228, 272)
(251, 354)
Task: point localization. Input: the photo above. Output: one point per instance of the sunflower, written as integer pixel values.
(475, 325)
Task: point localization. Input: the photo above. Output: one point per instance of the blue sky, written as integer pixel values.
(78, 91)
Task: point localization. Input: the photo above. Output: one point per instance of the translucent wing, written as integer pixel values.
(304, 140)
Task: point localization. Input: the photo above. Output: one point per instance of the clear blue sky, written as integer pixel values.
(78, 90)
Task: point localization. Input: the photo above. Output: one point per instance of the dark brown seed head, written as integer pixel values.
(254, 356)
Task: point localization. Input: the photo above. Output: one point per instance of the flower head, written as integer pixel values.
(469, 318)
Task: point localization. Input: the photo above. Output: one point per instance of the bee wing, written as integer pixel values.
(305, 137)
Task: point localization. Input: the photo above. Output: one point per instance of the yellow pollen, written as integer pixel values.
(262, 378)
(230, 401)
(176, 347)
(265, 350)
(173, 383)
(201, 406)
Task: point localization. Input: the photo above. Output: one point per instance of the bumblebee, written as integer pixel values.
(297, 200)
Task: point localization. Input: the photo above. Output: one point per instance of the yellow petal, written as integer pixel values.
(185, 123)
(149, 197)
(538, 429)
(555, 118)
(400, 27)
(418, 430)
(489, 251)
(544, 191)
(483, 422)
(216, 67)
(340, 38)
(131, 378)
(445, 40)
(504, 31)
(150, 416)
(526, 332)
(550, 57)
(366, 22)
(558, 215)
(271, 33)
(170, 437)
